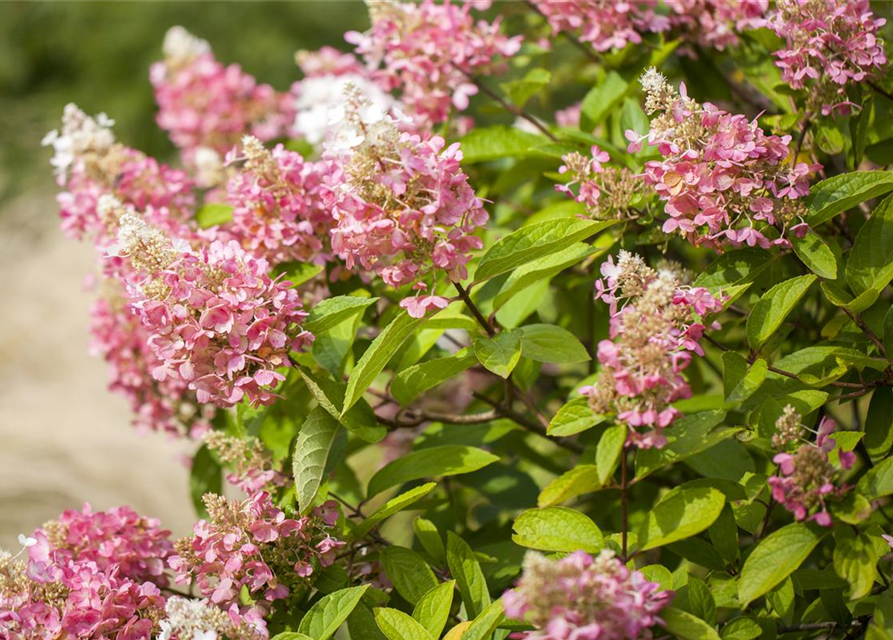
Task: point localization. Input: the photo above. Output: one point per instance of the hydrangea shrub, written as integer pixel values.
(565, 320)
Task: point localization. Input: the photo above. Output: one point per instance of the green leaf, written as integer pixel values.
(393, 506)
(870, 262)
(324, 617)
(602, 99)
(681, 514)
(573, 418)
(213, 214)
(396, 625)
(724, 534)
(205, 476)
(741, 629)
(583, 478)
(466, 569)
(410, 574)
(377, 355)
(700, 600)
(879, 424)
(445, 460)
(419, 378)
(312, 449)
(888, 331)
(483, 626)
(333, 311)
(816, 254)
(690, 434)
(775, 558)
(855, 560)
(770, 311)
(433, 609)
(499, 354)
(525, 276)
(482, 144)
(549, 343)
(739, 382)
(290, 635)
(734, 268)
(878, 482)
(520, 91)
(839, 193)
(360, 420)
(609, 450)
(297, 273)
(361, 624)
(429, 537)
(557, 529)
(533, 242)
(686, 626)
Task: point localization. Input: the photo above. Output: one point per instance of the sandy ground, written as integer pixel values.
(64, 439)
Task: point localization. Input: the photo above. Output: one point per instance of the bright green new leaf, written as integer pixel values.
(324, 617)
(549, 343)
(466, 569)
(433, 609)
(681, 514)
(520, 91)
(557, 529)
(415, 380)
(535, 241)
(445, 460)
(410, 574)
(499, 354)
(776, 557)
(213, 214)
(839, 193)
(878, 482)
(396, 625)
(312, 449)
(525, 276)
(483, 626)
(602, 99)
(583, 478)
(855, 560)
(686, 626)
(776, 304)
(573, 418)
(377, 355)
(333, 311)
(393, 506)
(482, 144)
(609, 450)
(816, 254)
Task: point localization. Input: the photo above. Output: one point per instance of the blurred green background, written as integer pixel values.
(97, 54)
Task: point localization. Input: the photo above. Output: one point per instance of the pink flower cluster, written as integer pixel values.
(403, 205)
(611, 24)
(608, 193)
(158, 405)
(90, 163)
(807, 476)
(653, 332)
(716, 24)
(204, 104)
(723, 180)
(215, 318)
(252, 544)
(88, 575)
(583, 598)
(605, 24)
(428, 51)
(278, 212)
(135, 546)
(830, 43)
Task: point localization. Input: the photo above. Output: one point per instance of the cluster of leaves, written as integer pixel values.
(504, 455)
